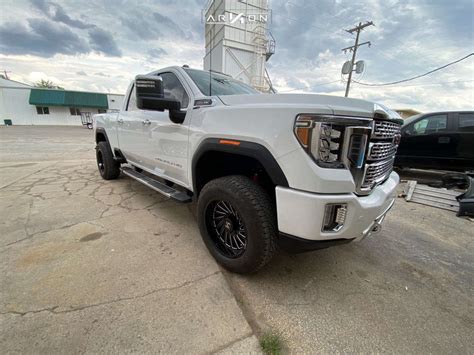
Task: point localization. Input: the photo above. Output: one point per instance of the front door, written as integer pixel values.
(427, 143)
(169, 140)
(150, 140)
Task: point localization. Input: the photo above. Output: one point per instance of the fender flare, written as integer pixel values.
(118, 156)
(101, 130)
(245, 148)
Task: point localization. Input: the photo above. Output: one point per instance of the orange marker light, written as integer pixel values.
(303, 135)
(225, 141)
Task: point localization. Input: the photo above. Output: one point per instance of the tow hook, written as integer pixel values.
(376, 228)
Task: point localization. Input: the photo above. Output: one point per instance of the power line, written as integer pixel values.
(417, 76)
(429, 84)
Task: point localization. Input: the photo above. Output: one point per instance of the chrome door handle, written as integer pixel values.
(146, 122)
(119, 121)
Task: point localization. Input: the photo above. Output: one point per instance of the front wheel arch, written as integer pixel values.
(251, 151)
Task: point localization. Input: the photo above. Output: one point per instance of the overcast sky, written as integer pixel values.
(100, 45)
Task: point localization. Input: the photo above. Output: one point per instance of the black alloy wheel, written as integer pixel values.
(226, 228)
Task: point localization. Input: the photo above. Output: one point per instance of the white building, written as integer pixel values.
(23, 104)
(238, 42)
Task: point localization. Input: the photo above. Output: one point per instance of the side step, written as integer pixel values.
(157, 185)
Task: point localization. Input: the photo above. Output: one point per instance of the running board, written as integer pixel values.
(157, 185)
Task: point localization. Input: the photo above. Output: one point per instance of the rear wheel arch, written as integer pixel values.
(101, 135)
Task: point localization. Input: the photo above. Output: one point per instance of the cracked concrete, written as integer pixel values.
(95, 266)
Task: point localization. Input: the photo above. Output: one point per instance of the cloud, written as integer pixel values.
(40, 37)
(103, 41)
(81, 73)
(156, 52)
(143, 29)
(100, 40)
(410, 37)
(61, 16)
(150, 26)
(171, 26)
(56, 12)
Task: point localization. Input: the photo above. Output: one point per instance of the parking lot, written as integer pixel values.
(89, 265)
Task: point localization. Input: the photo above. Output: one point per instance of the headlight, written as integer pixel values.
(333, 141)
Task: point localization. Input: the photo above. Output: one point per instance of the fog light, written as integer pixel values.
(334, 217)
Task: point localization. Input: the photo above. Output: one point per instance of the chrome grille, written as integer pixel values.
(380, 154)
(381, 150)
(377, 172)
(385, 129)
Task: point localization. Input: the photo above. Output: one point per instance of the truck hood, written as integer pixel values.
(339, 105)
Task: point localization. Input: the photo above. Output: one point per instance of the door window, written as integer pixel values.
(430, 124)
(173, 89)
(466, 122)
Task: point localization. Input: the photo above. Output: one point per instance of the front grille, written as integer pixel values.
(381, 150)
(377, 172)
(385, 129)
(380, 155)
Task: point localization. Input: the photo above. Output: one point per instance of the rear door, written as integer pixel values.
(129, 130)
(463, 139)
(427, 142)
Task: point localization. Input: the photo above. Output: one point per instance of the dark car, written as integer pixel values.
(438, 140)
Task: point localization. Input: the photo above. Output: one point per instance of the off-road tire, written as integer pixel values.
(257, 213)
(109, 169)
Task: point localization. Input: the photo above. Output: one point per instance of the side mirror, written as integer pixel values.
(177, 116)
(150, 94)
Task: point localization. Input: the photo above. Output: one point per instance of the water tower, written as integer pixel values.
(238, 42)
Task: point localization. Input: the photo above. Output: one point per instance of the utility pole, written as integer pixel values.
(353, 48)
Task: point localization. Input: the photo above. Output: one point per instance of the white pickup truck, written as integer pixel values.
(299, 171)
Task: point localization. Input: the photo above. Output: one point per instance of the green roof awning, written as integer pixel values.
(45, 97)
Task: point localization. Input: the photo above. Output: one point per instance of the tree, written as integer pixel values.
(47, 84)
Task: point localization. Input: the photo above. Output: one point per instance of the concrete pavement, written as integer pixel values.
(407, 290)
(93, 266)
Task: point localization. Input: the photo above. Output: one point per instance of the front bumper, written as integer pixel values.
(300, 214)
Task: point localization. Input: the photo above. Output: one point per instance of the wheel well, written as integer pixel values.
(215, 164)
(100, 137)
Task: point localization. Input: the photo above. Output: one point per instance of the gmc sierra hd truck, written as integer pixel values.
(298, 171)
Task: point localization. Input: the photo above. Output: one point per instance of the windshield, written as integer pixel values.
(220, 84)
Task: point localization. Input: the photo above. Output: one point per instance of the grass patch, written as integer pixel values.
(271, 344)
